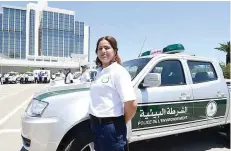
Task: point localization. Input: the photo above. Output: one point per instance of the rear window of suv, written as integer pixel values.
(202, 71)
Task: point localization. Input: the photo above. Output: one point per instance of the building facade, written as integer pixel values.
(44, 33)
(13, 32)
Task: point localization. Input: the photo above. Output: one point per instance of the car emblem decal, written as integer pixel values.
(211, 109)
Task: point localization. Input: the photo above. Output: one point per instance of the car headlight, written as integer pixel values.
(36, 108)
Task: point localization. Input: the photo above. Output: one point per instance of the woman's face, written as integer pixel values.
(105, 53)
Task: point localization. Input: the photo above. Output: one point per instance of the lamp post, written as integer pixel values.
(1, 65)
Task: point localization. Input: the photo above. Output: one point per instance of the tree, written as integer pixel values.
(225, 48)
(226, 70)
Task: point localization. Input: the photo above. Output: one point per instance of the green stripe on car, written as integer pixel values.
(59, 92)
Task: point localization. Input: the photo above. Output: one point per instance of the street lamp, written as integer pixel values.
(1, 65)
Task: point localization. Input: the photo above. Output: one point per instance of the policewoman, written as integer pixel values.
(112, 102)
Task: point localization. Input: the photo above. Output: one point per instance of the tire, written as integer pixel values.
(80, 140)
(227, 131)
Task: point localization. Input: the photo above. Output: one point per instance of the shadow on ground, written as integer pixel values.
(204, 140)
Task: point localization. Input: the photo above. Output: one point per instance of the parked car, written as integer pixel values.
(58, 76)
(11, 77)
(170, 101)
(27, 77)
(76, 80)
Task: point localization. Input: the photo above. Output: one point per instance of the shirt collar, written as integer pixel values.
(108, 68)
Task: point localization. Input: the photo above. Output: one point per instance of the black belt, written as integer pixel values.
(104, 120)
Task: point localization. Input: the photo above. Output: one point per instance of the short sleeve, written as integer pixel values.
(124, 85)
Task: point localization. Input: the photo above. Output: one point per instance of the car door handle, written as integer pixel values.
(220, 94)
(184, 96)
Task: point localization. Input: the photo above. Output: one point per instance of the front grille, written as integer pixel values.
(26, 141)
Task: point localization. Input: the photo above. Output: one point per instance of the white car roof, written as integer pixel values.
(178, 55)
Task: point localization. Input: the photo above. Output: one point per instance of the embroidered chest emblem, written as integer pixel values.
(105, 79)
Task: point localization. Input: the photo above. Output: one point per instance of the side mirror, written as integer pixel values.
(152, 80)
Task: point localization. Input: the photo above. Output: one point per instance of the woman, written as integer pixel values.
(112, 99)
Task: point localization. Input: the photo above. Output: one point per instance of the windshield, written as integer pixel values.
(135, 66)
(12, 74)
(29, 74)
(58, 75)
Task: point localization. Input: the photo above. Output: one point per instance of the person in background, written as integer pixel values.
(69, 77)
(40, 76)
(36, 77)
(112, 103)
(0, 79)
(85, 75)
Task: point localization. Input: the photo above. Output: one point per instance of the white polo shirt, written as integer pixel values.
(110, 89)
(69, 78)
(85, 77)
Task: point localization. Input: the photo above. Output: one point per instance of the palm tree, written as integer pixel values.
(225, 48)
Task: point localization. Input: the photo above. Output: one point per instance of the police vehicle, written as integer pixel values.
(11, 77)
(176, 93)
(58, 76)
(76, 79)
(27, 77)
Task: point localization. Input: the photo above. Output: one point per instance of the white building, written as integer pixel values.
(42, 36)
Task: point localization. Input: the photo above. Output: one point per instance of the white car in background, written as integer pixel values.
(76, 79)
(58, 76)
(27, 77)
(11, 77)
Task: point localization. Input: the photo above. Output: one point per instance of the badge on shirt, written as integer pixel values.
(105, 79)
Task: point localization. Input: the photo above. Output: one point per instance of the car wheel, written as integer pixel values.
(75, 146)
(79, 140)
(227, 130)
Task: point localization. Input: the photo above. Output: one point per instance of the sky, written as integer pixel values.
(199, 26)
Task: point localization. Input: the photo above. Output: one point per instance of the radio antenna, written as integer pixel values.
(142, 47)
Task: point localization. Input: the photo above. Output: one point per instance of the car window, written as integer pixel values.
(202, 71)
(58, 75)
(135, 66)
(171, 72)
(12, 74)
(29, 74)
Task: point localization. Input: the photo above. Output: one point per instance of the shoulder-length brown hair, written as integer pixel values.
(113, 44)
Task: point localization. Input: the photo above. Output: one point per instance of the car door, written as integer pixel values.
(210, 92)
(167, 106)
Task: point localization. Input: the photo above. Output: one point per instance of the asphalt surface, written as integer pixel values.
(14, 99)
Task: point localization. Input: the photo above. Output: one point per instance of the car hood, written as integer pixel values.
(61, 90)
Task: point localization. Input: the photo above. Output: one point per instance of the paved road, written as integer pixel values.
(15, 97)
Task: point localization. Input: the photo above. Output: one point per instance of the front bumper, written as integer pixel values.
(42, 134)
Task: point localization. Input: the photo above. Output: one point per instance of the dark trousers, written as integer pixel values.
(110, 136)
